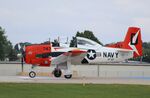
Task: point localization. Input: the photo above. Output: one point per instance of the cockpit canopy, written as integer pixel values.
(86, 43)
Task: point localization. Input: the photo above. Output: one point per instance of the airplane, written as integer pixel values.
(86, 51)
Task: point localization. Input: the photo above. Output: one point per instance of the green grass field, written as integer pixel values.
(16, 90)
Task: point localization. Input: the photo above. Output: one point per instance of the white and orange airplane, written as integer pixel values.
(86, 52)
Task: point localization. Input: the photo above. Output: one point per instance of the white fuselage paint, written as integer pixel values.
(103, 54)
(106, 55)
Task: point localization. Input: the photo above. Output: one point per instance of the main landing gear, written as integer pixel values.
(57, 73)
(68, 76)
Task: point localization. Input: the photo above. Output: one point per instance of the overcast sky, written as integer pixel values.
(38, 20)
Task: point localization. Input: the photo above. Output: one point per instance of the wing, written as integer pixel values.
(71, 56)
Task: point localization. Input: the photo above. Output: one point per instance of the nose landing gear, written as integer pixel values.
(32, 74)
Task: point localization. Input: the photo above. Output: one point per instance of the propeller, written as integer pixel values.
(20, 48)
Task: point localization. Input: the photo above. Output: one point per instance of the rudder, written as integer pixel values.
(133, 41)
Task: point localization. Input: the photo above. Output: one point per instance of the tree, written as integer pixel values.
(86, 34)
(2, 43)
(6, 48)
(73, 42)
(146, 51)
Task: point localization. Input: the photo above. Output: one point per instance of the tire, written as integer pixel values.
(32, 74)
(68, 76)
(57, 73)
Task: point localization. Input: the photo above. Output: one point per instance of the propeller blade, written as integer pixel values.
(22, 61)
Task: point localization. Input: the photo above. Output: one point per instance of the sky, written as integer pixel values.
(38, 20)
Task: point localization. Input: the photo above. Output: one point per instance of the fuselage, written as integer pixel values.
(107, 55)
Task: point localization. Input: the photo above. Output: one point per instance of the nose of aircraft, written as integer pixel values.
(19, 55)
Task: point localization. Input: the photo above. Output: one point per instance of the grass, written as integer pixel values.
(22, 90)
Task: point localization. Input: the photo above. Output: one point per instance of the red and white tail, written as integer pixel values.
(133, 41)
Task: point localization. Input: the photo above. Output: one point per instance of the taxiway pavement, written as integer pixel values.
(83, 80)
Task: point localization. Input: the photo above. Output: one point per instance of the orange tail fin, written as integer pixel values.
(133, 41)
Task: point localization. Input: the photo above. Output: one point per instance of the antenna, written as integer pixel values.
(67, 40)
(58, 39)
(49, 40)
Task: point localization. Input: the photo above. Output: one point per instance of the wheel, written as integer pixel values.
(68, 76)
(32, 74)
(57, 72)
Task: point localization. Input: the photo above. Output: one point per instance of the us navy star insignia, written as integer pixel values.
(91, 54)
